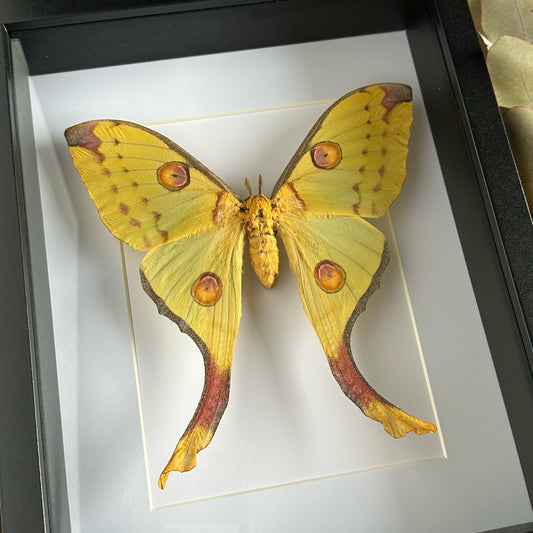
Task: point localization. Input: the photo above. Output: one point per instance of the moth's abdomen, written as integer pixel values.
(263, 246)
(264, 256)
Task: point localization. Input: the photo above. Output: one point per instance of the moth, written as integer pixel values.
(156, 197)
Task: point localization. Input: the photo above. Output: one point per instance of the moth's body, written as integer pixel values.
(156, 197)
(259, 218)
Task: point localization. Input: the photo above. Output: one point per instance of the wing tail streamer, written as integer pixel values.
(336, 277)
(193, 285)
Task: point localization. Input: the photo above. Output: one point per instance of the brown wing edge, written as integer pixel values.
(395, 421)
(79, 132)
(208, 413)
(185, 328)
(398, 92)
(358, 309)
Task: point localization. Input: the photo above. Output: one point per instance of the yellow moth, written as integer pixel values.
(156, 197)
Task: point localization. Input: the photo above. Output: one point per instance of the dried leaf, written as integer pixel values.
(475, 11)
(510, 64)
(519, 124)
(507, 17)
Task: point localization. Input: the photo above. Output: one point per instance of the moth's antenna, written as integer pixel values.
(260, 182)
(247, 183)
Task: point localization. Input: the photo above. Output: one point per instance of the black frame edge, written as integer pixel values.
(175, 33)
(504, 323)
(20, 465)
(27, 15)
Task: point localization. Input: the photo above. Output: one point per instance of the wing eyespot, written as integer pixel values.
(174, 176)
(206, 289)
(330, 276)
(326, 155)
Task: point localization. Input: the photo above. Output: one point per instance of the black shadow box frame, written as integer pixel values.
(491, 215)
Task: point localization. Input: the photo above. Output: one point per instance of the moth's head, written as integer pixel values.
(258, 206)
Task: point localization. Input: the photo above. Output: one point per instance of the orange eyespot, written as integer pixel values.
(329, 276)
(326, 155)
(206, 289)
(173, 176)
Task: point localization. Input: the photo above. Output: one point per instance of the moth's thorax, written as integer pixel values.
(259, 222)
